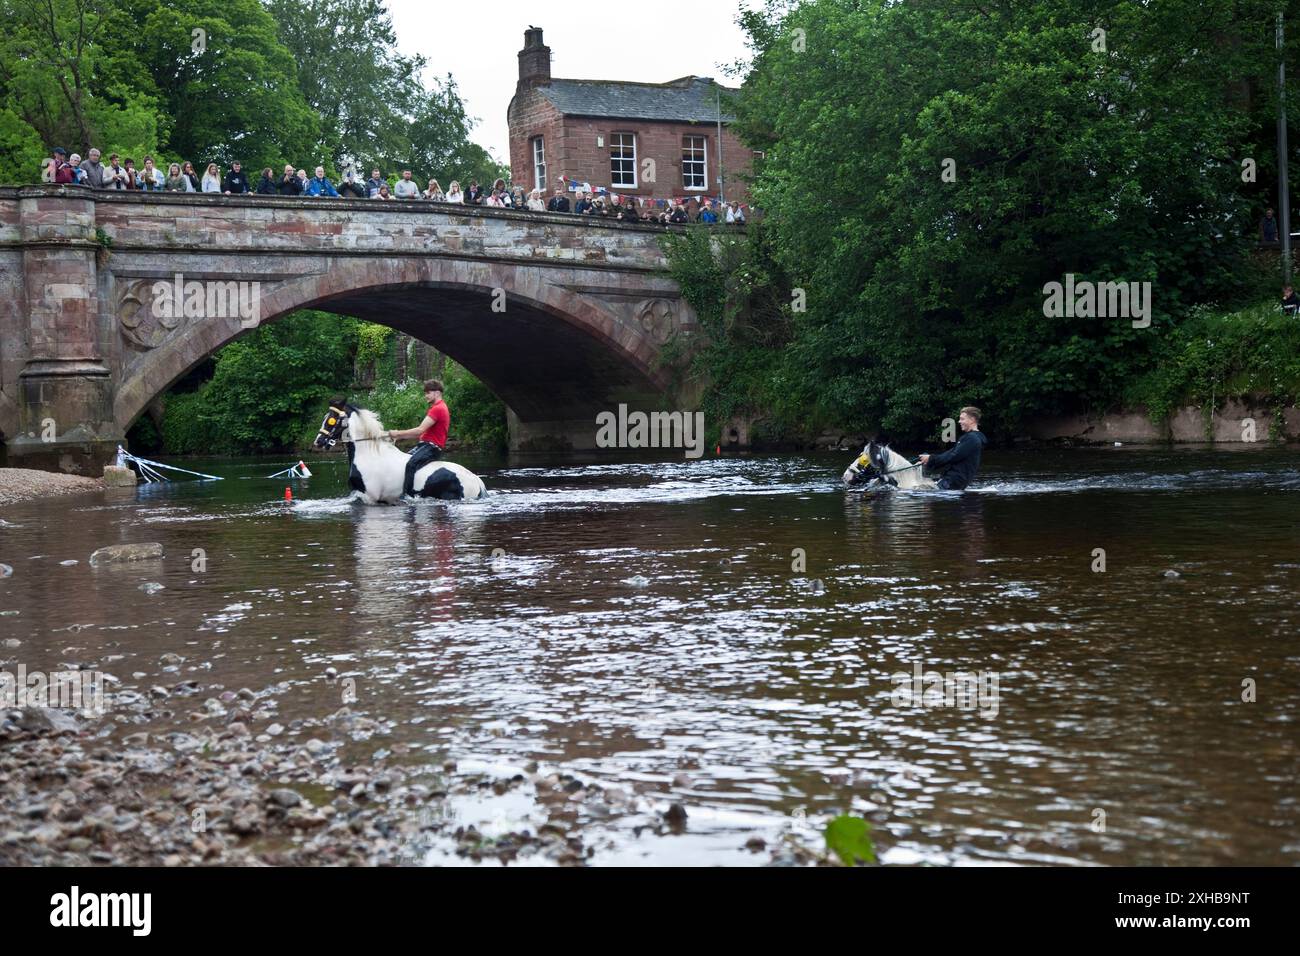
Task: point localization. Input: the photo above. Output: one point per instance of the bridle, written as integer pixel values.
(333, 424)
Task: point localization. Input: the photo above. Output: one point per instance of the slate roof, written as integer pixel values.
(689, 99)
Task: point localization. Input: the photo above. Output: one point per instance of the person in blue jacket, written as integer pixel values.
(318, 185)
(963, 459)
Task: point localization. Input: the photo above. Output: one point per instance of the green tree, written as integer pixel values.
(1113, 160)
(68, 79)
(231, 91)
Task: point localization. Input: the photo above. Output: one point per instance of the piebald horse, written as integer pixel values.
(889, 469)
(377, 467)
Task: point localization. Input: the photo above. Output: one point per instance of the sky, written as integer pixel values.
(646, 40)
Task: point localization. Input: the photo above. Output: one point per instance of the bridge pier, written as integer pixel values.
(552, 436)
(65, 418)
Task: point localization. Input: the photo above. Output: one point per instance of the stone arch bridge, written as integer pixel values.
(562, 317)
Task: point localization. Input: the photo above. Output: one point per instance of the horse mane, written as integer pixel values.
(893, 458)
(365, 424)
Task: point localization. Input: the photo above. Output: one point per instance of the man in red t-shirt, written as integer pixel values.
(432, 433)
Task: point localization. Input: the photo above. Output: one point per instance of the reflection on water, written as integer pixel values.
(723, 632)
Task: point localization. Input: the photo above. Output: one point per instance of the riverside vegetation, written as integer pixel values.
(926, 168)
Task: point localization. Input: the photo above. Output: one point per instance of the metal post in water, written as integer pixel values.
(1283, 158)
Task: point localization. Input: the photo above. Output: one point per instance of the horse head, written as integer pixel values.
(871, 463)
(334, 428)
(875, 462)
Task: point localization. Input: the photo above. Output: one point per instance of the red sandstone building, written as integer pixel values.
(651, 140)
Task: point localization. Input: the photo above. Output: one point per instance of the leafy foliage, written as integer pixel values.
(849, 838)
(268, 389)
(925, 292)
(268, 81)
(1212, 357)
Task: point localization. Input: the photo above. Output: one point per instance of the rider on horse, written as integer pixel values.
(432, 432)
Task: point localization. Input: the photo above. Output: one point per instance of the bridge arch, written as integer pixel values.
(554, 357)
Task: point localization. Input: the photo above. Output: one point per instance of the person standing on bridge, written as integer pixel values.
(235, 182)
(319, 186)
(432, 432)
(407, 188)
(290, 184)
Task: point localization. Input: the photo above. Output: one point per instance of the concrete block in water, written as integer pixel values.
(116, 477)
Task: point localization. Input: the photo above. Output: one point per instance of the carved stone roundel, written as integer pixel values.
(657, 319)
(142, 322)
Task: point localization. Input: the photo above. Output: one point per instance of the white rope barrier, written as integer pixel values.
(149, 469)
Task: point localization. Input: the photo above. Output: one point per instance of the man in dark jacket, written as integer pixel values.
(236, 181)
(290, 184)
(963, 459)
(559, 202)
(1268, 226)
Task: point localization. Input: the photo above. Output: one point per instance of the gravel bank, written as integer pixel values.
(25, 484)
(197, 774)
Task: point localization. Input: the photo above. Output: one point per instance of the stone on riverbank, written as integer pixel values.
(115, 553)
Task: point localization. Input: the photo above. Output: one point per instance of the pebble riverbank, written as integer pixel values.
(190, 774)
(26, 484)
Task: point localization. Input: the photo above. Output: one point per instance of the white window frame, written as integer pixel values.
(539, 163)
(703, 161)
(619, 137)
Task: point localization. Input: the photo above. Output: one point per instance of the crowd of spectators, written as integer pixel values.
(122, 174)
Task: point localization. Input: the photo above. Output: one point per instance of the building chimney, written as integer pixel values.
(534, 60)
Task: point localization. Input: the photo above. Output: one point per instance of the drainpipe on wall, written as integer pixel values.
(721, 191)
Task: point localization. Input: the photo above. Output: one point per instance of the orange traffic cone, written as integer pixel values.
(288, 494)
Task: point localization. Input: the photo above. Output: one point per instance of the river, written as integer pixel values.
(726, 634)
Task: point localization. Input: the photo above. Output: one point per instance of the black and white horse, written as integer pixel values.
(377, 467)
(881, 466)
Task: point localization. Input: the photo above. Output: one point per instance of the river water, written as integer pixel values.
(725, 634)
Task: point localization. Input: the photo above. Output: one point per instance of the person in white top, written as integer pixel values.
(407, 187)
(535, 201)
(212, 179)
(453, 192)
